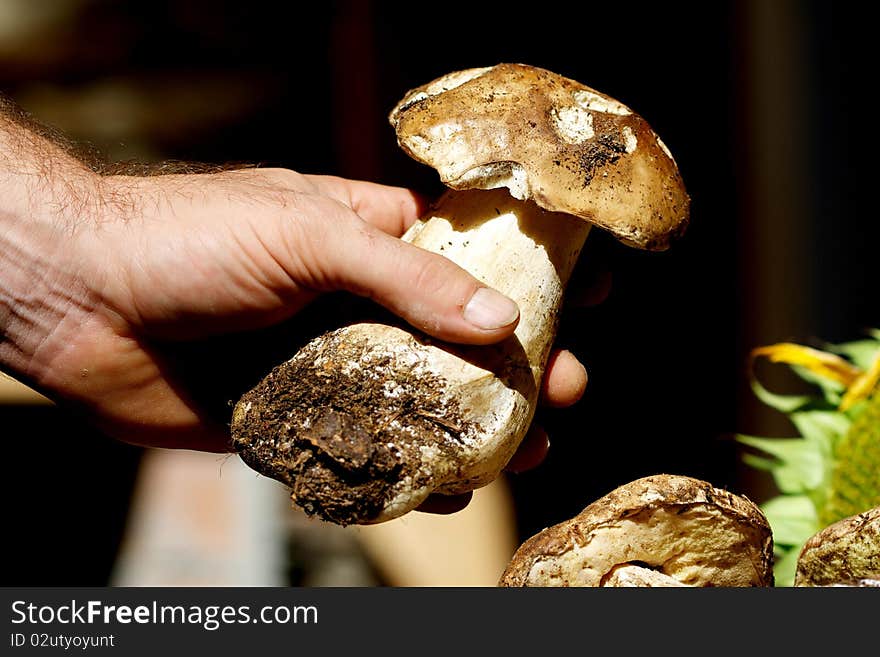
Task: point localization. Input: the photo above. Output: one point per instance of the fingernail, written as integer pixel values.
(490, 310)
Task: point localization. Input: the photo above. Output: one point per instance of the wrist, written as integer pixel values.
(45, 199)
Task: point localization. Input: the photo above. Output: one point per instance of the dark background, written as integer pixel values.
(764, 105)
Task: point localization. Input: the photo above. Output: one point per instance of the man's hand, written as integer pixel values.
(105, 275)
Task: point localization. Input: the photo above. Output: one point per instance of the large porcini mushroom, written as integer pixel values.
(846, 553)
(662, 530)
(366, 421)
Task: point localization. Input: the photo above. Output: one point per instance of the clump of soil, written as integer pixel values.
(347, 433)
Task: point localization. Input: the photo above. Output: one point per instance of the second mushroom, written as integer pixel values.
(366, 421)
(657, 531)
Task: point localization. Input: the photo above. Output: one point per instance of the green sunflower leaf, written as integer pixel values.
(792, 517)
(822, 428)
(760, 462)
(861, 352)
(796, 465)
(832, 391)
(785, 567)
(781, 403)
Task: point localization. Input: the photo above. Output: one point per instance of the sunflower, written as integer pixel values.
(831, 470)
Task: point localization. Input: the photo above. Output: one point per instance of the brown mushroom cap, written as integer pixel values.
(679, 526)
(845, 552)
(547, 138)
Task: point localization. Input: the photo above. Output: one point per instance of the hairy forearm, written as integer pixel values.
(45, 193)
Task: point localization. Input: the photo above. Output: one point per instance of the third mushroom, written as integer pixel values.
(365, 421)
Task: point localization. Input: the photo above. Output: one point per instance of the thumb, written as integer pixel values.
(426, 289)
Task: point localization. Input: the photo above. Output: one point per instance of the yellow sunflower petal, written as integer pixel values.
(821, 363)
(862, 387)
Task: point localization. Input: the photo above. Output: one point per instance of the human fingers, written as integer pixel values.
(563, 385)
(390, 209)
(531, 452)
(426, 289)
(565, 379)
(445, 504)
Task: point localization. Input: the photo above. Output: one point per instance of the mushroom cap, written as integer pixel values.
(547, 138)
(847, 551)
(679, 526)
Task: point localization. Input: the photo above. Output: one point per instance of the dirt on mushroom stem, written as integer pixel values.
(347, 448)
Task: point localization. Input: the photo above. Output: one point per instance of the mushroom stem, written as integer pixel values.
(516, 247)
(366, 421)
